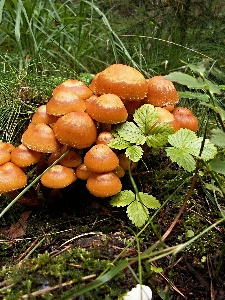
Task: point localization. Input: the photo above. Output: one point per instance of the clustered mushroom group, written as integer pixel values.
(78, 119)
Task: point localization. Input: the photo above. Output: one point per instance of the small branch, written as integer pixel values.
(49, 289)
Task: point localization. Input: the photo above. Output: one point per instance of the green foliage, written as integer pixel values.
(132, 136)
(218, 137)
(186, 146)
(217, 165)
(137, 205)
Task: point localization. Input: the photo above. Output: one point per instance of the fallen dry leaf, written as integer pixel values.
(18, 229)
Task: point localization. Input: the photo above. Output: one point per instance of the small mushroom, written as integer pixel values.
(58, 177)
(104, 184)
(161, 92)
(164, 115)
(63, 102)
(8, 146)
(92, 85)
(24, 157)
(119, 171)
(41, 116)
(76, 129)
(5, 156)
(11, 178)
(108, 109)
(184, 118)
(100, 158)
(104, 137)
(40, 137)
(76, 86)
(71, 160)
(83, 172)
(123, 81)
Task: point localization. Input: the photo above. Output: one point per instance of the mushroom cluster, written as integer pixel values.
(78, 119)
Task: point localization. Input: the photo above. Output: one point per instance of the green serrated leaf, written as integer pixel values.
(185, 79)
(145, 117)
(185, 144)
(123, 198)
(182, 158)
(209, 151)
(131, 133)
(158, 136)
(181, 138)
(134, 153)
(192, 95)
(149, 201)
(118, 143)
(137, 213)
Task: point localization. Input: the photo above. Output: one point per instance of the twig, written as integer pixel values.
(49, 289)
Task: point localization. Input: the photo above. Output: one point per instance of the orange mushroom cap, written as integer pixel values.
(5, 156)
(184, 118)
(58, 177)
(100, 158)
(63, 102)
(161, 92)
(104, 137)
(11, 178)
(107, 108)
(92, 86)
(119, 171)
(83, 172)
(164, 115)
(123, 81)
(40, 137)
(71, 160)
(77, 86)
(41, 116)
(76, 129)
(104, 184)
(24, 157)
(8, 146)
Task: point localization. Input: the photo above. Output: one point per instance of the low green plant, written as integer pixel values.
(208, 95)
(137, 138)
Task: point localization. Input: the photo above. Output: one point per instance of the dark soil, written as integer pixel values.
(72, 219)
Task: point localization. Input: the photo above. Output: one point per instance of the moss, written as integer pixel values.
(46, 271)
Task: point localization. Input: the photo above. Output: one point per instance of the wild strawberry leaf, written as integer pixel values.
(149, 201)
(137, 213)
(209, 150)
(181, 138)
(118, 143)
(123, 198)
(145, 117)
(182, 157)
(158, 136)
(134, 153)
(186, 145)
(131, 133)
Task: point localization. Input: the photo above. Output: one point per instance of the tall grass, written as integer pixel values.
(79, 36)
